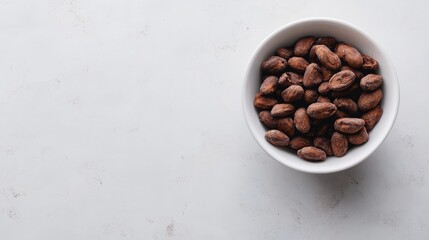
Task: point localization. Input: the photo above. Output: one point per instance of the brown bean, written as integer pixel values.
(302, 120)
(350, 55)
(290, 78)
(326, 73)
(340, 114)
(346, 104)
(339, 144)
(303, 45)
(310, 96)
(267, 119)
(357, 73)
(312, 76)
(369, 100)
(299, 142)
(323, 99)
(286, 125)
(369, 63)
(324, 88)
(269, 86)
(341, 80)
(349, 125)
(292, 94)
(372, 117)
(274, 65)
(264, 102)
(371, 82)
(330, 42)
(324, 144)
(282, 110)
(359, 138)
(312, 154)
(298, 64)
(285, 53)
(321, 110)
(312, 57)
(277, 138)
(327, 58)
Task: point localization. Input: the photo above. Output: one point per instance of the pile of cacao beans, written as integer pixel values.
(319, 97)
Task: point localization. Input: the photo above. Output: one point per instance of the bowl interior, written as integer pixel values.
(286, 36)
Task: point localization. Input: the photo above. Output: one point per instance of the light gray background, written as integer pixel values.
(122, 120)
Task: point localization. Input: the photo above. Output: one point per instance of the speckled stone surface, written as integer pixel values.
(122, 120)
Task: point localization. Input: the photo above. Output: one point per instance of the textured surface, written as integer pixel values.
(122, 120)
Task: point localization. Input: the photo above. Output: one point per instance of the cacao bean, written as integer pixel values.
(371, 82)
(312, 154)
(369, 100)
(349, 125)
(303, 45)
(359, 138)
(321, 110)
(277, 138)
(339, 144)
(293, 93)
(302, 120)
(282, 110)
(372, 117)
(274, 65)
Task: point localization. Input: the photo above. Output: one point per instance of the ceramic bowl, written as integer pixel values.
(342, 31)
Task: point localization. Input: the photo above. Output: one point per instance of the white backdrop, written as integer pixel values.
(122, 120)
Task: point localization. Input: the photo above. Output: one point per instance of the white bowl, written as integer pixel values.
(342, 31)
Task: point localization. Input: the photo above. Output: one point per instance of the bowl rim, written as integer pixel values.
(389, 124)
